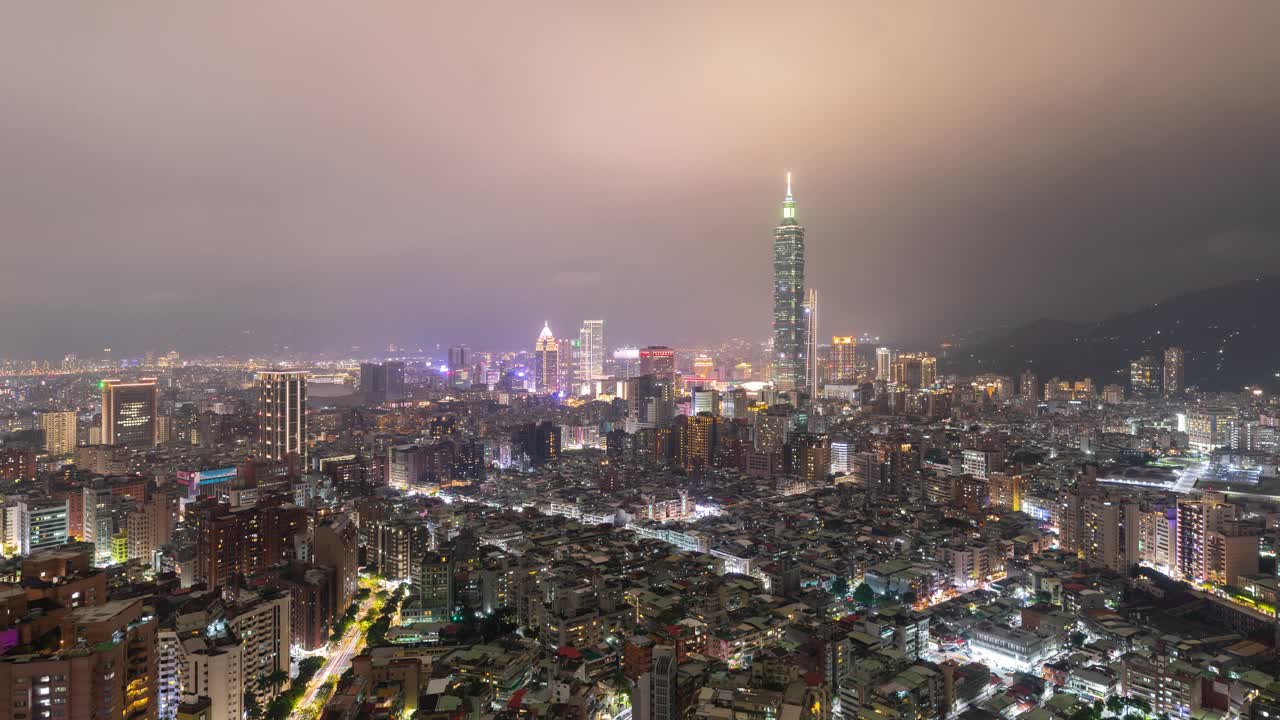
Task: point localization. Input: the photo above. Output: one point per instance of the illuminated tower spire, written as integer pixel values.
(789, 203)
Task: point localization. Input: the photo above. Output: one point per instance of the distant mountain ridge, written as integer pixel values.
(1230, 335)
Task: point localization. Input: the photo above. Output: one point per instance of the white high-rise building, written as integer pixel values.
(884, 364)
(841, 456)
(591, 342)
(811, 339)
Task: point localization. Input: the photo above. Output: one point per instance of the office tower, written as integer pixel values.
(650, 402)
(1144, 376)
(129, 412)
(1173, 370)
(373, 383)
(789, 341)
(381, 382)
(884, 364)
(1027, 385)
(659, 361)
(38, 523)
(733, 404)
(811, 340)
(59, 432)
(459, 357)
(1209, 428)
(282, 415)
(395, 381)
(704, 399)
(626, 362)
(591, 337)
(842, 450)
(546, 362)
(844, 359)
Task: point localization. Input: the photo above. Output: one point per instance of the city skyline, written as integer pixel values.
(459, 362)
(220, 201)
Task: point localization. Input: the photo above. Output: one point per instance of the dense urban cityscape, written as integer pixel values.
(792, 529)
(823, 360)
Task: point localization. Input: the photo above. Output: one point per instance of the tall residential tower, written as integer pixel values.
(790, 365)
(282, 415)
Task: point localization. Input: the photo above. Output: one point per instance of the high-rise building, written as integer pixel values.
(40, 523)
(591, 336)
(459, 357)
(380, 382)
(772, 428)
(335, 544)
(659, 361)
(884, 364)
(282, 415)
(395, 381)
(129, 412)
(657, 691)
(811, 340)
(809, 457)
(546, 362)
(1209, 428)
(1027, 385)
(915, 370)
(1173, 372)
(1212, 546)
(59, 432)
(699, 435)
(844, 360)
(650, 402)
(704, 399)
(789, 323)
(1144, 376)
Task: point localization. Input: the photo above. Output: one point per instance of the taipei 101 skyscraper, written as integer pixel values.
(790, 339)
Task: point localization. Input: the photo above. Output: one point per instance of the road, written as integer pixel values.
(340, 656)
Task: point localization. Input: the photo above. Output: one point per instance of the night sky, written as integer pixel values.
(324, 174)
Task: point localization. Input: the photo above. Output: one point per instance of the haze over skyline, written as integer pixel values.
(327, 174)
